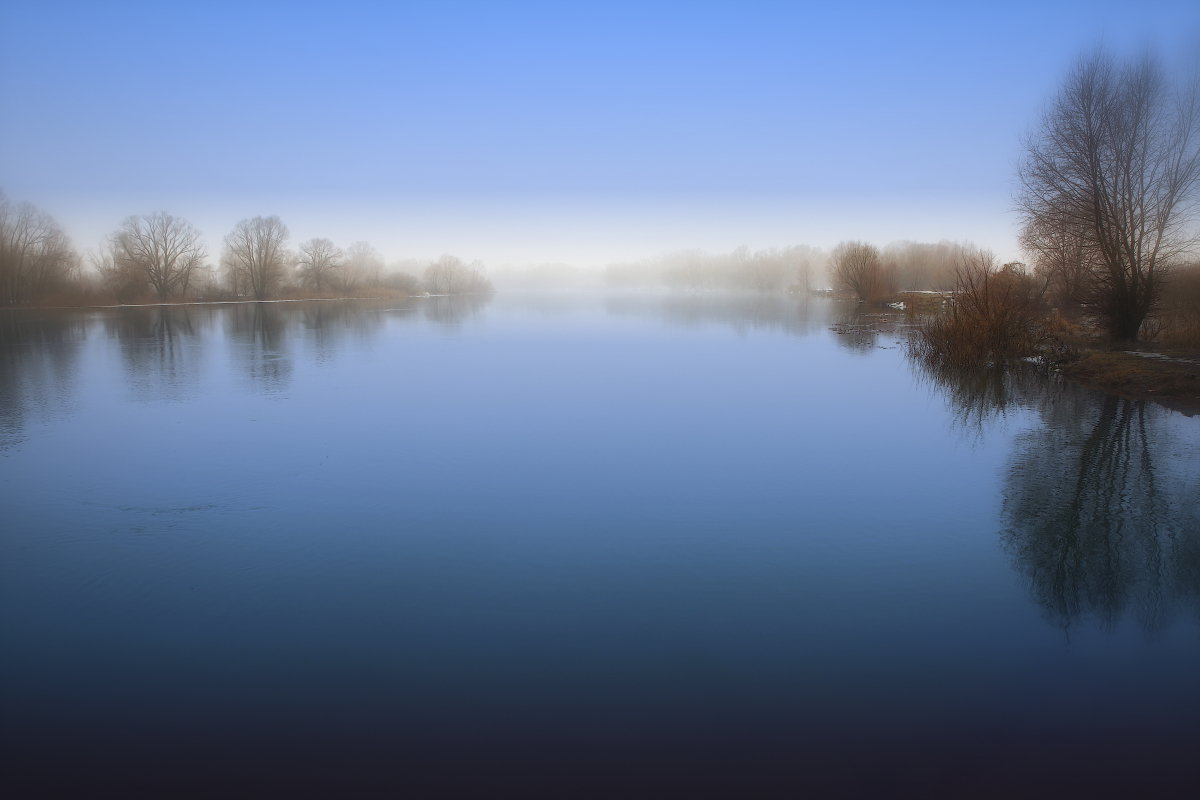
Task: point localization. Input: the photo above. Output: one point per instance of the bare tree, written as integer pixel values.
(362, 267)
(35, 255)
(255, 256)
(320, 262)
(450, 275)
(162, 248)
(126, 282)
(1062, 261)
(1116, 162)
(924, 265)
(856, 266)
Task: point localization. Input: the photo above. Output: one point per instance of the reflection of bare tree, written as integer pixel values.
(329, 325)
(159, 347)
(454, 309)
(258, 332)
(1091, 523)
(1100, 500)
(742, 312)
(38, 357)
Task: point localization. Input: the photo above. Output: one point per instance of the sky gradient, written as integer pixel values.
(535, 132)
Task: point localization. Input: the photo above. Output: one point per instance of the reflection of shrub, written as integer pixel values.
(997, 316)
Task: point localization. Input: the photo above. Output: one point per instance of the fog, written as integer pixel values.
(623, 399)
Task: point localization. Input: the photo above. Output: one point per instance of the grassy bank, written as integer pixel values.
(1170, 377)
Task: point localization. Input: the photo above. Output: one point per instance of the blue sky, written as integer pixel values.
(516, 132)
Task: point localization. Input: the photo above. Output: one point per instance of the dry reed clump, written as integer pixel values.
(1177, 323)
(996, 316)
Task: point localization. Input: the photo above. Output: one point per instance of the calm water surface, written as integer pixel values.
(621, 545)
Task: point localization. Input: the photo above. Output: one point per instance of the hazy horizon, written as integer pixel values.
(535, 133)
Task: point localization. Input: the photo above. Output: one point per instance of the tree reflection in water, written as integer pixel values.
(453, 310)
(1100, 498)
(39, 355)
(1092, 522)
(329, 326)
(160, 348)
(742, 312)
(259, 334)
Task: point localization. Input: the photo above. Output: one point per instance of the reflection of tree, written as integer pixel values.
(328, 325)
(259, 335)
(1091, 523)
(160, 349)
(975, 396)
(454, 309)
(1100, 501)
(742, 312)
(38, 356)
(858, 330)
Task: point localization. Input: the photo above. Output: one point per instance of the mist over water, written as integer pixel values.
(627, 542)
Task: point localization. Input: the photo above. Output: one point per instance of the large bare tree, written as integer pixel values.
(166, 250)
(256, 256)
(320, 262)
(1115, 166)
(35, 255)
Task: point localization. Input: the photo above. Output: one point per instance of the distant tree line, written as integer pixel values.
(36, 259)
(857, 268)
(162, 258)
(796, 268)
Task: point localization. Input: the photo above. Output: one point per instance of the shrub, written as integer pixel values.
(996, 316)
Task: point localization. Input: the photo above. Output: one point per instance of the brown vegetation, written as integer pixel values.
(35, 255)
(857, 268)
(1176, 324)
(996, 316)
(160, 259)
(1172, 379)
(1108, 183)
(999, 315)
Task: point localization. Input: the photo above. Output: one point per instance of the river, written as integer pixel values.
(623, 545)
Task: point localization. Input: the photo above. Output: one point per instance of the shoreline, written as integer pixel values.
(1169, 377)
(93, 307)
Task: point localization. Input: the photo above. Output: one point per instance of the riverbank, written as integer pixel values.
(1169, 377)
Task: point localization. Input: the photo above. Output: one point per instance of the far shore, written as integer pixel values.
(94, 306)
(1167, 376)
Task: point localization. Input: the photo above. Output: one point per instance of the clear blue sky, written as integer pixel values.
(576, 132)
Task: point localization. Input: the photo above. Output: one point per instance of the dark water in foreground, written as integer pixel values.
(633, 545)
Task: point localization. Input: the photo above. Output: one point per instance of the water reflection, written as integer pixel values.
(975, 397)
(259, 335)
(329, 327)
(454, 310)
(39, 356)
(1093, 521)
(161, 349)
(1100, 498)
(857, 329)
(742, 312)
